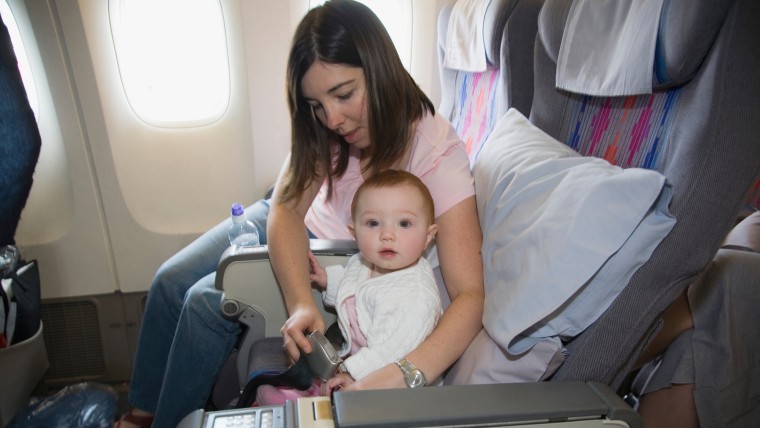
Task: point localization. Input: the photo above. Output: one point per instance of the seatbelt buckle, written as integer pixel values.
(323, 359)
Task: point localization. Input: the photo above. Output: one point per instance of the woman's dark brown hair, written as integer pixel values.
(349, 33)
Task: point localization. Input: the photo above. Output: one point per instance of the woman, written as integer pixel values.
(355, 111)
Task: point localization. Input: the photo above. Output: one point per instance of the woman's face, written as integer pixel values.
(337, 94)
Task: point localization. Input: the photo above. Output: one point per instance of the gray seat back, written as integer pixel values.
(699, 128)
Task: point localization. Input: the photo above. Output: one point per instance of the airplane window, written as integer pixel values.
(23, 61)
(396, 16)
(172, 58)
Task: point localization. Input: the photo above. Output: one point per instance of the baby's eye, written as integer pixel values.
(373, 223)
(405, 224)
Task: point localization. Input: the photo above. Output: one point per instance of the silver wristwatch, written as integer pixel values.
(413, 377)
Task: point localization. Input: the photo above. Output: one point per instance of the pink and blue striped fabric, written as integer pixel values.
(625, 131)
(475, 109)
(629, 131)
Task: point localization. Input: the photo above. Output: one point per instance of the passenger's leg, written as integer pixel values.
(667, 398)
(675, 320)
(168, 297)
(20, 147)
(257, 213)
(716, 378)
(202, 342)
(726, 364)
(669, 407)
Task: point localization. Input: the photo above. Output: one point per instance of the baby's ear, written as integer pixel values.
(351, 229)
(432, 230)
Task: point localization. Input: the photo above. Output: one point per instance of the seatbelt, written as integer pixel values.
(641, 381)
(298, 376)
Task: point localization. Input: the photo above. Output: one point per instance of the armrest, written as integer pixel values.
(514, 405)
(560, 404)
(252, 296)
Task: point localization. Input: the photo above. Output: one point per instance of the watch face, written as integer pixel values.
(415, 378)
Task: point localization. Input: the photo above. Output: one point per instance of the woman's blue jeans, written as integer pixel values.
(184, 341)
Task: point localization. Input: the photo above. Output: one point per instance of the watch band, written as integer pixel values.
(413, 376)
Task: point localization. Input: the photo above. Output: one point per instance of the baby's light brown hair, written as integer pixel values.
(396, 178)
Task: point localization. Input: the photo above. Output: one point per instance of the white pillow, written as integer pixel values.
(562, 233)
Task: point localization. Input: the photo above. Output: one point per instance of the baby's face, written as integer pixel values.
(392, 228)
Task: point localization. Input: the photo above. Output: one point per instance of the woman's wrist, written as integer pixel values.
(413, 376)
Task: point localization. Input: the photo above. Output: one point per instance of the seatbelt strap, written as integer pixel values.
(297, 376)
(641, 381)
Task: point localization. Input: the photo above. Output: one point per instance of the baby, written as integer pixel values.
(386, 297)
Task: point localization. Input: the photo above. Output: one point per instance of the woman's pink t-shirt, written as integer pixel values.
(438, 158)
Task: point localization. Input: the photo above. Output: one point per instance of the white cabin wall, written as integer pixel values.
(268, 29)
(169, 184)
(152, 190)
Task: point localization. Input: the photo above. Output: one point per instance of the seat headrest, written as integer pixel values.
(492, 30)
(688, 29)
(492, 27)
(686, 32)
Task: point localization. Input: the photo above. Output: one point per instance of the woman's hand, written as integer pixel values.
(306, 318)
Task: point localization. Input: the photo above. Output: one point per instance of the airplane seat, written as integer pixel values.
(694, 121)
(696, 128)
(475, 93)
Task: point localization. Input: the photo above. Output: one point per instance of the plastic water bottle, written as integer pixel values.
(242, 232)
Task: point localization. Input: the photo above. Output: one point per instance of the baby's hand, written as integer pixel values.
(317, 273)
(339, 381)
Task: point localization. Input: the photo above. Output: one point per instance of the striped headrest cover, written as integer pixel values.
(475, 108)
